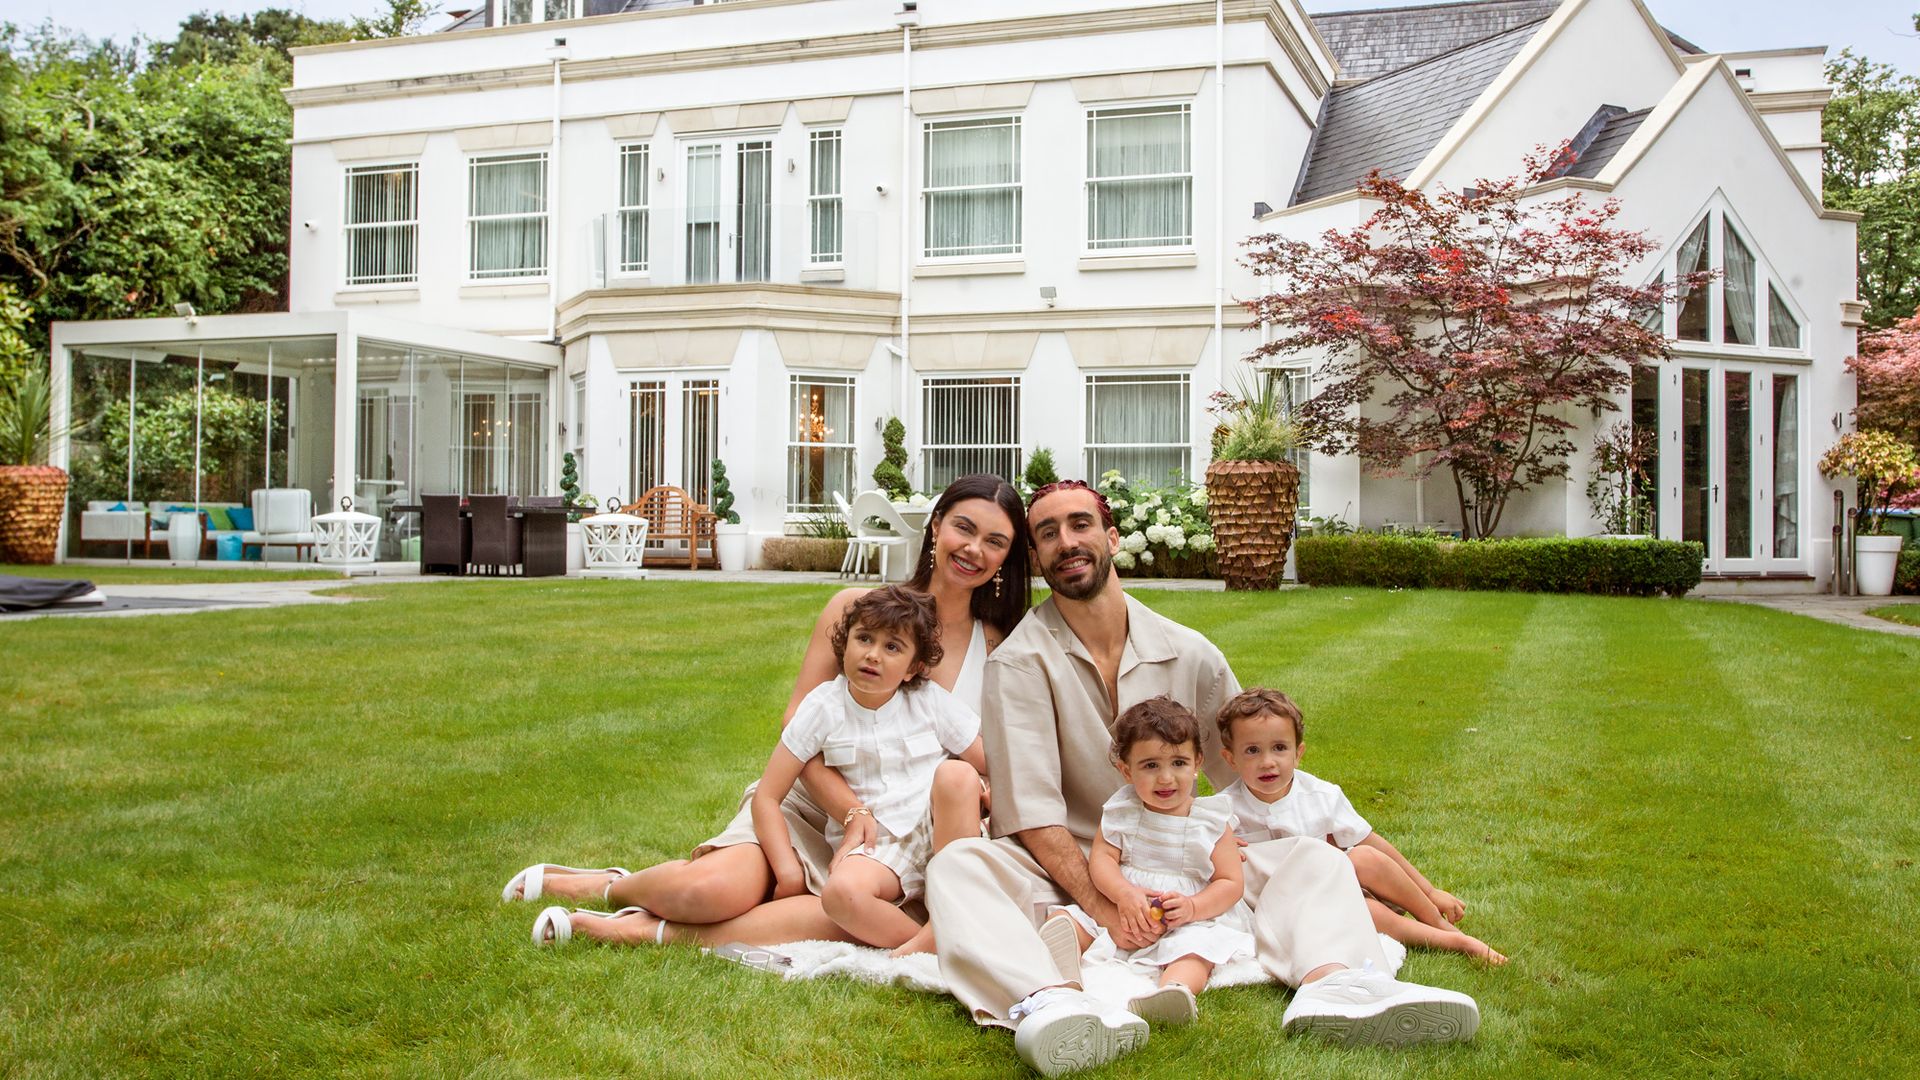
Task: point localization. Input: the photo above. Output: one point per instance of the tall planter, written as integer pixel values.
(1252, 504)
(32, 499)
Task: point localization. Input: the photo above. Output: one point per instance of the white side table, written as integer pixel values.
(346, 536)
(183, 537)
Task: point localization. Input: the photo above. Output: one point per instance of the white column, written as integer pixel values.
(346, 415)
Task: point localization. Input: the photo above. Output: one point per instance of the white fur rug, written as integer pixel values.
(1106, 976)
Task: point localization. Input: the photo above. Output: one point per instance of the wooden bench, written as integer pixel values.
(672, 515)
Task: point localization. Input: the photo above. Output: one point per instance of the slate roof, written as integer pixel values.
(1390, 122)
(1603, 137)
(1368, 44)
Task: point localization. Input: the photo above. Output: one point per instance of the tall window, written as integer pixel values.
(972, 426)
(972, 187)
(703, 213)
(578, 441)
(699, 436)
(1140, 177)
(1694, 259)
(823, 198)
(1783, 330)
(507, 216)
(501, 448)
(1728, 310)
(1138, 424)
(647, 426)
(383, 224)
(518, 12)
(633, 208)
(1292, 387)
(1737, 295)
(819, 442)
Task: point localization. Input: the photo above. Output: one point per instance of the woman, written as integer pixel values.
(975, 566)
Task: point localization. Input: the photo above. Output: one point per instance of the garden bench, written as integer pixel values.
(672, 514)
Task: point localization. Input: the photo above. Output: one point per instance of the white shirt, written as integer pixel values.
(887, 755)
(1311, 807)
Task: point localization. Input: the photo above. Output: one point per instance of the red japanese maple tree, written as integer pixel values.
(1888, 375)
(1472, 327)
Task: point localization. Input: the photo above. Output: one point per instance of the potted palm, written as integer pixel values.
(1253, 491)
(729, 535)
(1882, 466)
(33, 496)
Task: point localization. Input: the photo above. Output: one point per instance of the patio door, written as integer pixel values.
(1732, 465)
(729, 214)
(673, 433)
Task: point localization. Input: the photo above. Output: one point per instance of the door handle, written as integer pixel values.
(1716, 493)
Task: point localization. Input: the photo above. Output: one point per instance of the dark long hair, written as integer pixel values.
(1016, 576)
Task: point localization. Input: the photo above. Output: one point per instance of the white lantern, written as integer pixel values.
(616, 543)
(346, 537)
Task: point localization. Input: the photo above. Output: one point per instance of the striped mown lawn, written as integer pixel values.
(271, 842)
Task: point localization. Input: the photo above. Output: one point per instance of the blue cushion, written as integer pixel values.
(118, 506)
(242, 517)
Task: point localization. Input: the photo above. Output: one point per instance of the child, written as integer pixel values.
(1169, 859)
(1261, 736)
(886, 729)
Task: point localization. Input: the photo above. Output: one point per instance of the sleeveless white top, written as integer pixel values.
(970, 685)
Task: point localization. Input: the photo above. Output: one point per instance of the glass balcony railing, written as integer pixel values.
(808, 244)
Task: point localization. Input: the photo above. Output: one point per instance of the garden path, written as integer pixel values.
(1844, 610)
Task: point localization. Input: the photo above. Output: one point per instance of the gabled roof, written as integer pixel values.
(1368, 44)
(1602, 138)
(1393, 121)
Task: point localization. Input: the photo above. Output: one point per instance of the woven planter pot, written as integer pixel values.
(1252, 504)
(32, 498)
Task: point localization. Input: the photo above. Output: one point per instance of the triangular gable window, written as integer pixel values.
(1727, 310)
(1694, 259)
(1783, 330)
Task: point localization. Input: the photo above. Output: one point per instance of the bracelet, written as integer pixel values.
(853, 813)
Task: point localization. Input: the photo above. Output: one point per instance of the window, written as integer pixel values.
(647, 424)
(1695, 258)
(633, 208)
(972, 187)
(1737, 295)
(1139, 425)
(500, 449)
(578, 442)
(507, 216)
(823, 198)
(1292, 387)
(1727, 310)
(1140, 177)
(1783, 330)
(972, 426)
(383, 225)
(819, 443)
(699, 436)
(519, 12)
(703, 214)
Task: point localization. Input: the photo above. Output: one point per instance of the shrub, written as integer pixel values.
(1552, 564)
(1040, 471)
(890, 475)
(1906, 576)
(811, 553)
(1164, 531)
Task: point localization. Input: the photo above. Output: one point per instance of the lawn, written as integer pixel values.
(272, 842)
(161, 575)
(1900, 613)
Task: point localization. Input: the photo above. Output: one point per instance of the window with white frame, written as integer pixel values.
(819, 442)
(1728, 310)
(634, 163)
(500, 449)
(521, 12)
(507, 216)
(825, 227)
(971, 187)
(1140, 177)
(699, 436)
(1292, 387)
(972, 425)
(383, 224)
(647, 428)
(577, 440)
(1139, 425)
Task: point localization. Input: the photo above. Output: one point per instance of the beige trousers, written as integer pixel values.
(987, 899)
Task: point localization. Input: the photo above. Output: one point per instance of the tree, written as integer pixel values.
(228, 39)
(1463, 330)
(1888, 374)
(401, 18)
(1872, 165)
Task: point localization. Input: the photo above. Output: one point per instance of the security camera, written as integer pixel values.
(881, 188)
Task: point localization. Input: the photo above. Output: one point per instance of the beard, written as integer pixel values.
(1087, 589)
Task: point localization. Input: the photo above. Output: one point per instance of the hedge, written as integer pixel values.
(1554, 564)
(1906, 577)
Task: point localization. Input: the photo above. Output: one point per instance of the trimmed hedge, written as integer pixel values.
(1906, 576)
(1551, 564)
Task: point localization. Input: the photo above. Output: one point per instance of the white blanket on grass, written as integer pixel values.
(1104, 975)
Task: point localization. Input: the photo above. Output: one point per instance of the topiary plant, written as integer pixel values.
(723, 494)
(569, 478)
(890, 475)
(1040, 471)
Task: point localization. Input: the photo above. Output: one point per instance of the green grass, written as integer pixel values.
(161, 575)
(1900, 613)
(271, 842)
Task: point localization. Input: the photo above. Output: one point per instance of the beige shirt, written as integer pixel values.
(1048, 726)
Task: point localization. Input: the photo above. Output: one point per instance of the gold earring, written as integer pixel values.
(996, 584)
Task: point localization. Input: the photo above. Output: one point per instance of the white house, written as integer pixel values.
(740, 239)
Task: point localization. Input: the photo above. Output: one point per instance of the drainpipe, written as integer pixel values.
(907, 17)
(1219, 187)
(557, 53)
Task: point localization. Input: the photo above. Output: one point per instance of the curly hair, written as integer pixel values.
(1155, 718)
(900, 610)
(1258, 701)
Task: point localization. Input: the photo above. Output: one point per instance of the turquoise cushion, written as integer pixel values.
(218, 517)
(241, 518)
(118, 506)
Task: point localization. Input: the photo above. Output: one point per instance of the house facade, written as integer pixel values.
(756, 230)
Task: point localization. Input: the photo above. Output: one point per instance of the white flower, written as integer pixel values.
(1130, 523)
(917, 499)
(1162, 516)
(1199, 496)
(1123, 559)
(1201, 542)
(1115, 503)
(1146, 558)
(1175, 539)
(1134, 542)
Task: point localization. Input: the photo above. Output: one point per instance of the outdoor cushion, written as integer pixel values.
(118, 507)
(24, 594)
(220, 518)
(240, 518)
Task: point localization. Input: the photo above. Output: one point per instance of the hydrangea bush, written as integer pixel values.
(1164, 531)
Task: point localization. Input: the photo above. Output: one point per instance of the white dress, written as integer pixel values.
(1164, 853)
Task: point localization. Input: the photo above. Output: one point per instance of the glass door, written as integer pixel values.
(673, 434)
(729, 211)
(1731, 444)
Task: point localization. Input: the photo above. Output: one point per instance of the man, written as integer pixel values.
(1053, 691)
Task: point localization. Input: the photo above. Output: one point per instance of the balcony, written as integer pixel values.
(784, 244)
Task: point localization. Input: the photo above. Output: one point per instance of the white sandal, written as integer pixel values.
(528, 884)
(554, 926)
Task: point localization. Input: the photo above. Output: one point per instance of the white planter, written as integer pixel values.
(183, 538)
(1874, 560)
(730, 542)
(576, 549)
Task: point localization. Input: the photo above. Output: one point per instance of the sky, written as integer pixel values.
(1882, 29)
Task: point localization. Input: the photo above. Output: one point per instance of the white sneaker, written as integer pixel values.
(1171, 1004)
(1063, 1031)
(1371, 1008)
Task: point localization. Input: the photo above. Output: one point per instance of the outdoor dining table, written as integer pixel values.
(543, 536)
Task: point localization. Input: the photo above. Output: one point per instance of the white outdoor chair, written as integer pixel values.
(282, 517)
(853, 546)
(871, 505)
